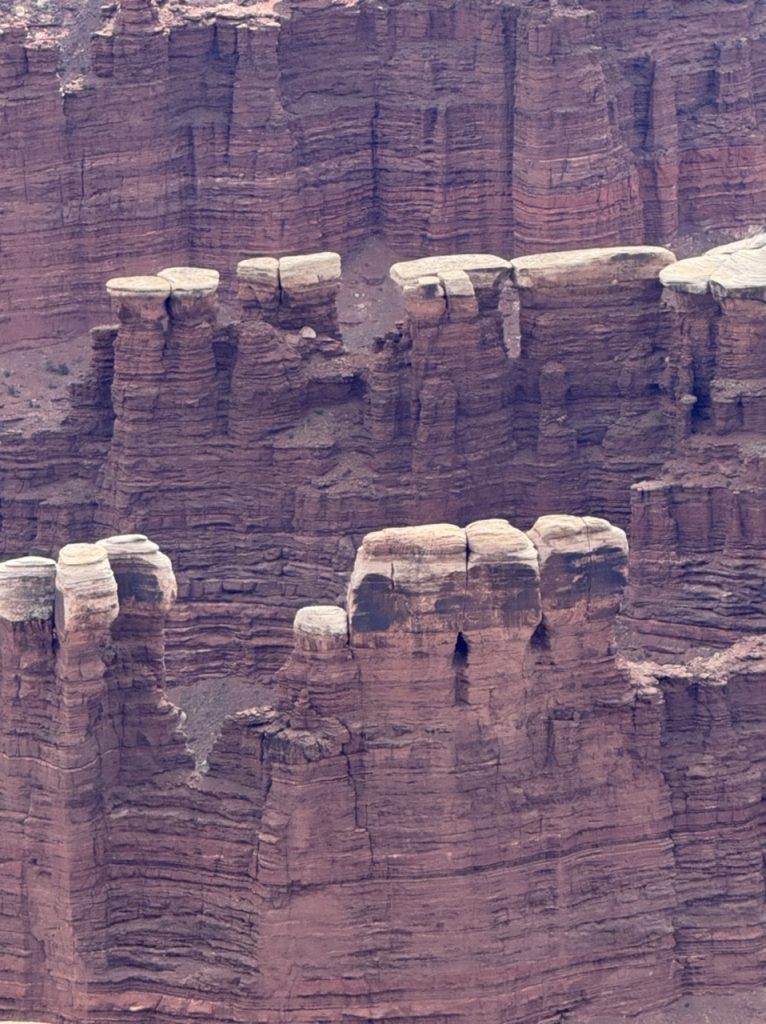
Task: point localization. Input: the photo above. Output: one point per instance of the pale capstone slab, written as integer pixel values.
(409, 271)
(323, 620)
(27, 588)
(297, 273)
(86, 590)
(138, 287)
(495, 540)
(191, 282)
(608, 266)
(558, 534)
(735, 270)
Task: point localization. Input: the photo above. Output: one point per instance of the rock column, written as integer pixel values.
(28, 906)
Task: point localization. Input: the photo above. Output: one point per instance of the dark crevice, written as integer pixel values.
(460, 665)
(540, 640)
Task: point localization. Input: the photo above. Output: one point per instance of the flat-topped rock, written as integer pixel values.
(590, 266)
(258, 279)
(129, 544)
(583, 572)
(86, 590)
(193, 291)
(138, 287)
(320, 627)
(495, 540)
(434, 541)
(409, 577)
(321, 620)
(27, 588)
(191, 282)
(556, 534)
(299, 273)
(503, 582)
(409, 271)
(144, 574)
(139, 298)
(737, 269)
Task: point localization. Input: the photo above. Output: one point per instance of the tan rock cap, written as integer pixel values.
(555, 534)
(321, 627)
(590, 266)
(27, 588)
(139, 298)
(321, 619)
(258, 279)
(301, 273)
(736, 270)
(409, 271)
(191, 282)
(86, 590)
(495, 540)
(144, 574)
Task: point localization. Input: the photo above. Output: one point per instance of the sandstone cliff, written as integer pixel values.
(204, 134)
(415, 827)
(259, 450)
(620, 863)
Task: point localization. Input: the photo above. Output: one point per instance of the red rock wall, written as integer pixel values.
(480, 672)
(279, 451)
(416, 828)
(445, 126)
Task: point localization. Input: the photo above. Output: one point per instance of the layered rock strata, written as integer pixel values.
(516, 127)
(697, 526)
(260, 450)
(86, 739)
(416, 826)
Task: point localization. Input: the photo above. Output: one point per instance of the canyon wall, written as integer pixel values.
(414, 828)
(206, 135)
(461, 709)
(260, 450)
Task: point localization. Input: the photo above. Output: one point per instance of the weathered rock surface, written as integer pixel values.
(461, 710)
(417, 824)
(260, 451)
(698, 526)
(208, 133)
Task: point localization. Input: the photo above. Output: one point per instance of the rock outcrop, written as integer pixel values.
(516, 127)
(416, 823)
(87, 740)
(698, 526)
(524, 823)
(259, 450)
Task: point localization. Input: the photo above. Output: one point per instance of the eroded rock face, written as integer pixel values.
(465, 669)
(512, 127)
(261, 450)
(701, 519)
(86, 739)
(412, 815)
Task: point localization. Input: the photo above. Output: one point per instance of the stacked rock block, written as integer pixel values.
(591, 375)
(453, 386)
(294, 292)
